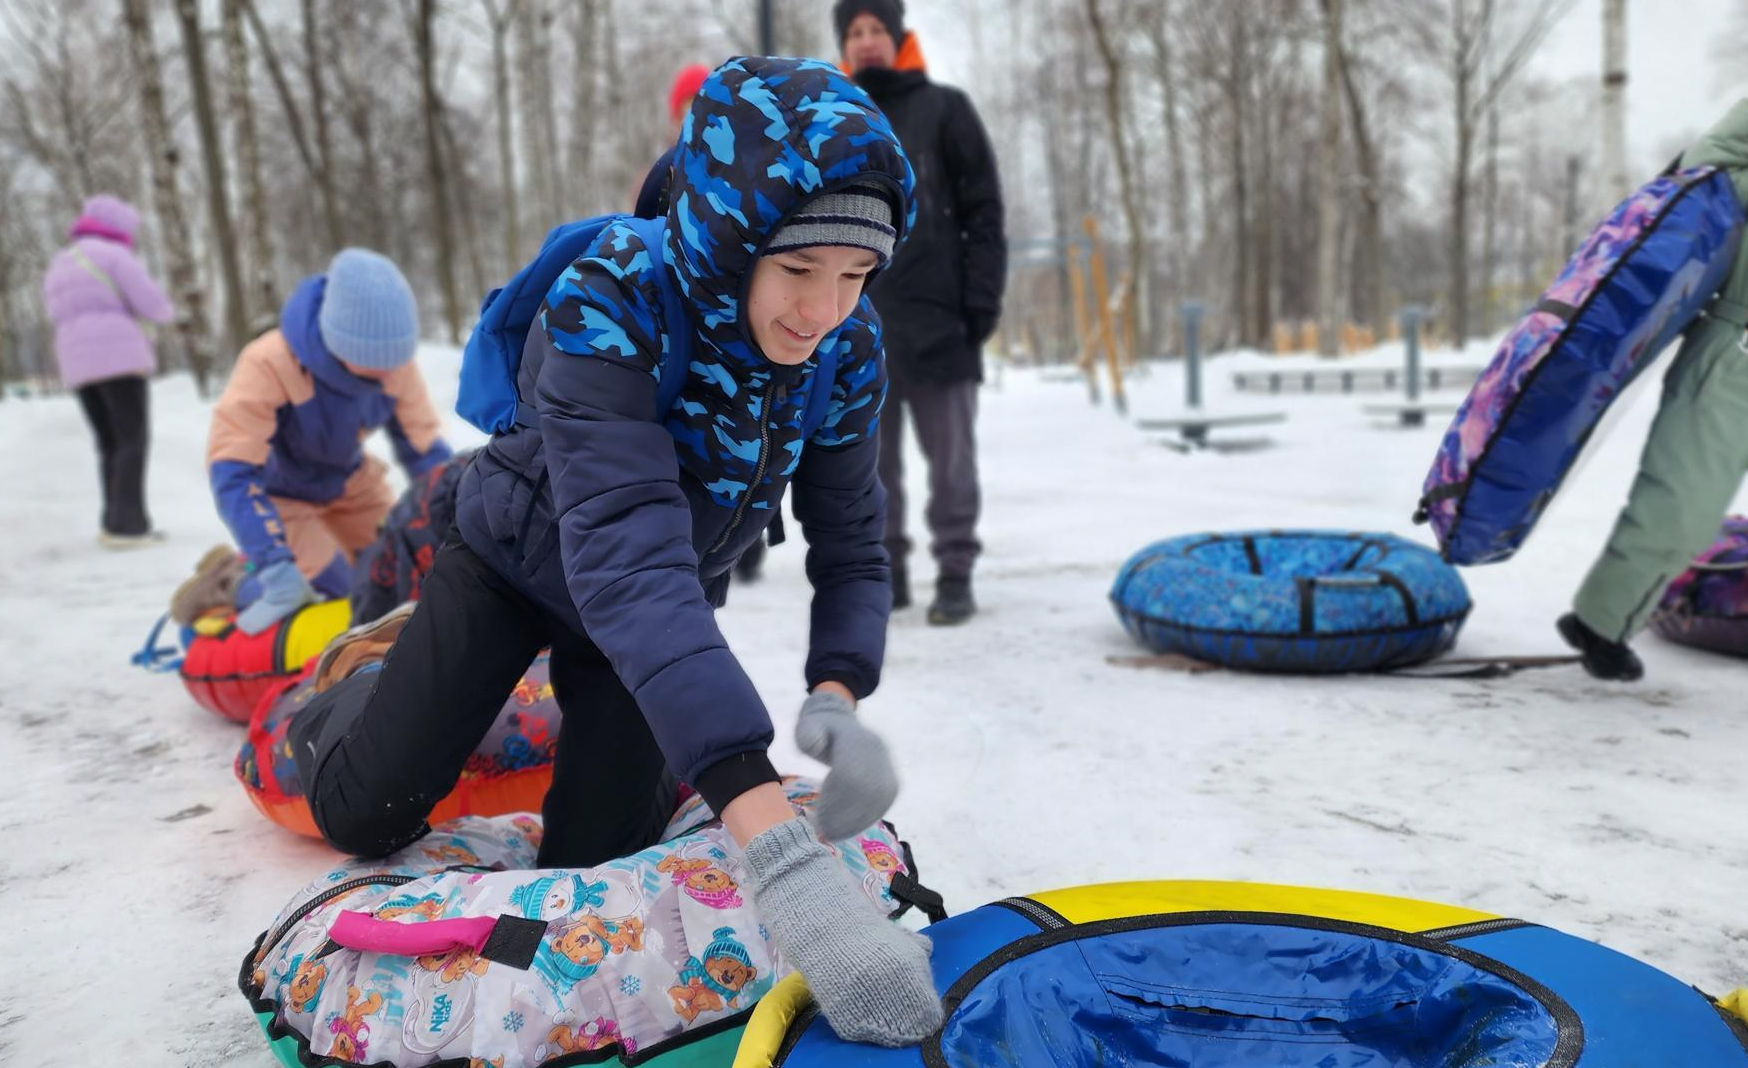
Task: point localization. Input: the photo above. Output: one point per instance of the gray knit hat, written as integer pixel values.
(859, 216)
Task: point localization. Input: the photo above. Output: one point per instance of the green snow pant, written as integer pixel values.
(1697, 453)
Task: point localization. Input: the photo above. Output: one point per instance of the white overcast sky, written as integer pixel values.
(1676, 87)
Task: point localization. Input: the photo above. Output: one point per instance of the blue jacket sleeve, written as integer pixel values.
(246, 509)
(625, 528)
(841, 506)
(416, 463)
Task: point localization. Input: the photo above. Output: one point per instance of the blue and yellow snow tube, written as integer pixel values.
(1292, 600)
(1242, 975)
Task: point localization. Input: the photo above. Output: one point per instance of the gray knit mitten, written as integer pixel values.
(870, 976)
(861, 783)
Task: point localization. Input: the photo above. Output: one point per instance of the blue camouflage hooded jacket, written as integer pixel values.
(626, 526)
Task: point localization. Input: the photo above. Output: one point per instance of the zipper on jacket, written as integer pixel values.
(758, 470)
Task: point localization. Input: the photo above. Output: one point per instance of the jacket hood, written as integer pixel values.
(764, 136)
(108, 217)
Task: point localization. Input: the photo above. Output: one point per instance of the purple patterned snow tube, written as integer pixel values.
(1707, 605)
(1636, 282)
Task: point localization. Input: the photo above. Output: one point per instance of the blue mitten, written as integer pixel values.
(283, 591)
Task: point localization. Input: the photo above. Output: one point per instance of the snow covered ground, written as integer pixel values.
(134, 874)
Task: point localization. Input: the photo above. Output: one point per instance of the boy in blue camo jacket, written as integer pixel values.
(607, 530)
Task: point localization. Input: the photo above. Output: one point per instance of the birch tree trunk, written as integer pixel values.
(263, 292)
(1329, 171)
(191, 322)
(217, 201)
(1615, 182)
(435, 171)
(584, 75)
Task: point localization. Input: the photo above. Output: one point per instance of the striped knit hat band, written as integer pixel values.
(859, 217)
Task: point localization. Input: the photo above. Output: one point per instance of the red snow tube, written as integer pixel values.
(228, 672)
(508, 771)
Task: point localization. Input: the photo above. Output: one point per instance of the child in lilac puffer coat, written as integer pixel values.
(98, 293)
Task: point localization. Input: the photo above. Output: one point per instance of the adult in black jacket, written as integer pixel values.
(940, 298)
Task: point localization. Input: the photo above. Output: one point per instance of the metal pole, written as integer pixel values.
(1192, 317)
(1411, 319)
(767, 46)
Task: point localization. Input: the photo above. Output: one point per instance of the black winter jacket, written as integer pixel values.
(940, 298)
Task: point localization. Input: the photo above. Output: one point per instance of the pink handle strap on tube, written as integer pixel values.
(366, 933)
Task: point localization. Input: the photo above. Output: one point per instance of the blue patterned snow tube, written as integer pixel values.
(1310, 601)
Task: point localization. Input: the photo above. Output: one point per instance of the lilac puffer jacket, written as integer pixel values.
(97, 291)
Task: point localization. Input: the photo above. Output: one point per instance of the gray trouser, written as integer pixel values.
(945, 414)
(1692, 466)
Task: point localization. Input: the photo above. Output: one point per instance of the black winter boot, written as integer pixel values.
(1602, 658)
(953, 603)
(900, 585)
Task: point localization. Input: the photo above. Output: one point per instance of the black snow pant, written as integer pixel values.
(377, 752)
(118, 410)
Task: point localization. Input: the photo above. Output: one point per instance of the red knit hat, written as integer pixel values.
(685, 87)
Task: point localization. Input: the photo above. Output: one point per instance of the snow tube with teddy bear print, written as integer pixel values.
(452, 952)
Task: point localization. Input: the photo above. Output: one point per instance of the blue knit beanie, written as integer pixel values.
(369, 317)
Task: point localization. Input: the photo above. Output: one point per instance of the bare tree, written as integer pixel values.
(436, 171)
(1481, 58)
(364, 89)
(313, 168)
(1113, 65)
(1238, 46)
(539, 122)
(1614, 184)
(1177, 188)
(585, 73)
(9, 267)
(1329, 185)
(1369, 248)
(217, 204)
(1263, 113)
(248, 152)
(314, 67)
(499, 19)
(1489, 215)
(461, 205)
(60, 109)
(191, 323)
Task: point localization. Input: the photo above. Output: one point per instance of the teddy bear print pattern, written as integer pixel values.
(635, 952)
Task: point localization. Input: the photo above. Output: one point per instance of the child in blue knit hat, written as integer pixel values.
(285, 455)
